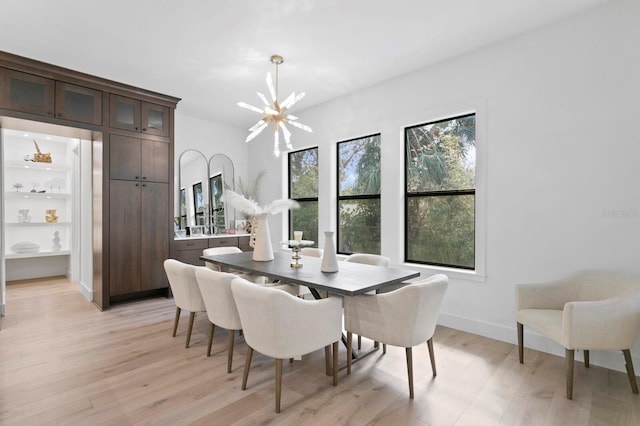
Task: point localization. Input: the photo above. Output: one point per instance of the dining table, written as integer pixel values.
(351, 279)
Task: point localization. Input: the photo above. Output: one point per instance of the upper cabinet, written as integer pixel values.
(138, 116)
(33, 94)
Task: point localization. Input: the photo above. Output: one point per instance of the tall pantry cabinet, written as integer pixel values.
(132, 135)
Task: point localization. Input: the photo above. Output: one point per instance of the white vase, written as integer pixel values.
(56, 241)
(329, 260)
(261, 238)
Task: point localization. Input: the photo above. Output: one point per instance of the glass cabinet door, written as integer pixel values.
(25, 92)
(155, 119)
(124, 113)
(78, 103)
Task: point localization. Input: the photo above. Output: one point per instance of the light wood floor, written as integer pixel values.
(64, 362)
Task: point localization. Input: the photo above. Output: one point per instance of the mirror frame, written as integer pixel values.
(207, 219)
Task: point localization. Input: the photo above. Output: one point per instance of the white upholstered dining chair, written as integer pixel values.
(280, 325)
(215, 288)
(590, 310)
(212, 251)
(405, 317)
(186, 294)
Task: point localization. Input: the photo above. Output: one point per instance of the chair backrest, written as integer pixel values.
(600, 285)
(311, 251)
(218, 250)
(215, 288)
(280, 325)
(182, 280)
(369, 259)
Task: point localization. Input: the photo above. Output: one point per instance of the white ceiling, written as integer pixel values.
(214, 53)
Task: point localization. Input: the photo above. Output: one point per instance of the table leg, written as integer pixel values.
(316, 295)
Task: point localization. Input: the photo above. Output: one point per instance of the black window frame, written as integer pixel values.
(354, 197)
(302, 199)
(197, 214)
(436, 193)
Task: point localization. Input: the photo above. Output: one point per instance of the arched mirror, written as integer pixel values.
(221, 177)
(193, 195)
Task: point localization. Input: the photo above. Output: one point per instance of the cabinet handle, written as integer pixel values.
(137, 128)
(144, 177)
(59, 114)
(137, 184)
(144, 129)
(144, 184)
(49, 112)
(137, 177)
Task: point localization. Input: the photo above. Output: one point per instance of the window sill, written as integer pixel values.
(461, 274)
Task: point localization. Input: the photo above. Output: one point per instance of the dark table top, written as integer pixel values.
(351, 279)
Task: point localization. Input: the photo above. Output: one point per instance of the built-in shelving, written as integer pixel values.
(30, 224)
(37, 254)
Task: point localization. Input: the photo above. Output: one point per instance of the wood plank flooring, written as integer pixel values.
(63, 362)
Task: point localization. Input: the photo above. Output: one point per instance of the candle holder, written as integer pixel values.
(296, 245)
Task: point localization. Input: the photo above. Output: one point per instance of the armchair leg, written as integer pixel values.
(232, 334)
(410, 370)
(384, 348)
(175, 322)
(349, 349)
(211, 330)
(192, 316)
(630, 372)
(520, 343)
(335, 363)
(359, 342)
(586, 358)
(432, 357)
(327, 360)
(247, 365)
(570, 354)
(278, 383)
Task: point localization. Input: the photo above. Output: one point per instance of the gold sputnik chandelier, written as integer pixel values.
(276, 114)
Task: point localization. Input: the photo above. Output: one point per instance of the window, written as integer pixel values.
(359, 195)
(440, 196)
(303, 187)
(198, 203)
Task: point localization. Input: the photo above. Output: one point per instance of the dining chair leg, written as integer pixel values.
(630, 372)
(384, 348)
(192, 316)
(410, 370)
(232, 334)
(335, 363)
(327, 360)
(570, 354)
(359, 342)
(520, 343)
(278, 383)
(212, 328)
(432, 357)
(247, 365)
(175, 322)
(586, 358)
(349, 349)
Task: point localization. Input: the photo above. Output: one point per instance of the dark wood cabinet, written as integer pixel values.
(33, 94)
(138, 237)
(138, 159)
(25, 92)
(189, 251)
(77, 103)
(138, 116)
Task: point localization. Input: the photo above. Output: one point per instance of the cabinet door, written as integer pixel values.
(124, 237)
(78, 103)
(125, 158)
(25, 92)
(154, 234)
(155, 119)
(124, 113)
(155, 161)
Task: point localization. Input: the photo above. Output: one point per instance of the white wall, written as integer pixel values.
(559, 152)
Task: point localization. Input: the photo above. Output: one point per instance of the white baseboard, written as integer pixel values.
(85, 291)
(613, 360)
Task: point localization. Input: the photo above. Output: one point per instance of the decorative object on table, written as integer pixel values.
(329, 259)
(296, 245)
(297, 235)
(260, 238)
(39, 157)
(50, 216)
(17, 186)
(276, 115)
(23, 216)
(56, 241)
(25, 247)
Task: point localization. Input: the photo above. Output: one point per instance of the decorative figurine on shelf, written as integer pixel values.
(39, 157)
(56, 241)
(50, 216)
(17, 186)
(23, 216)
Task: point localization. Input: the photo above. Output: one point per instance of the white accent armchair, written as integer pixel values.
(186, 294)
(280, 325)
(215, 288)
(591, 310)
(405, 317)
